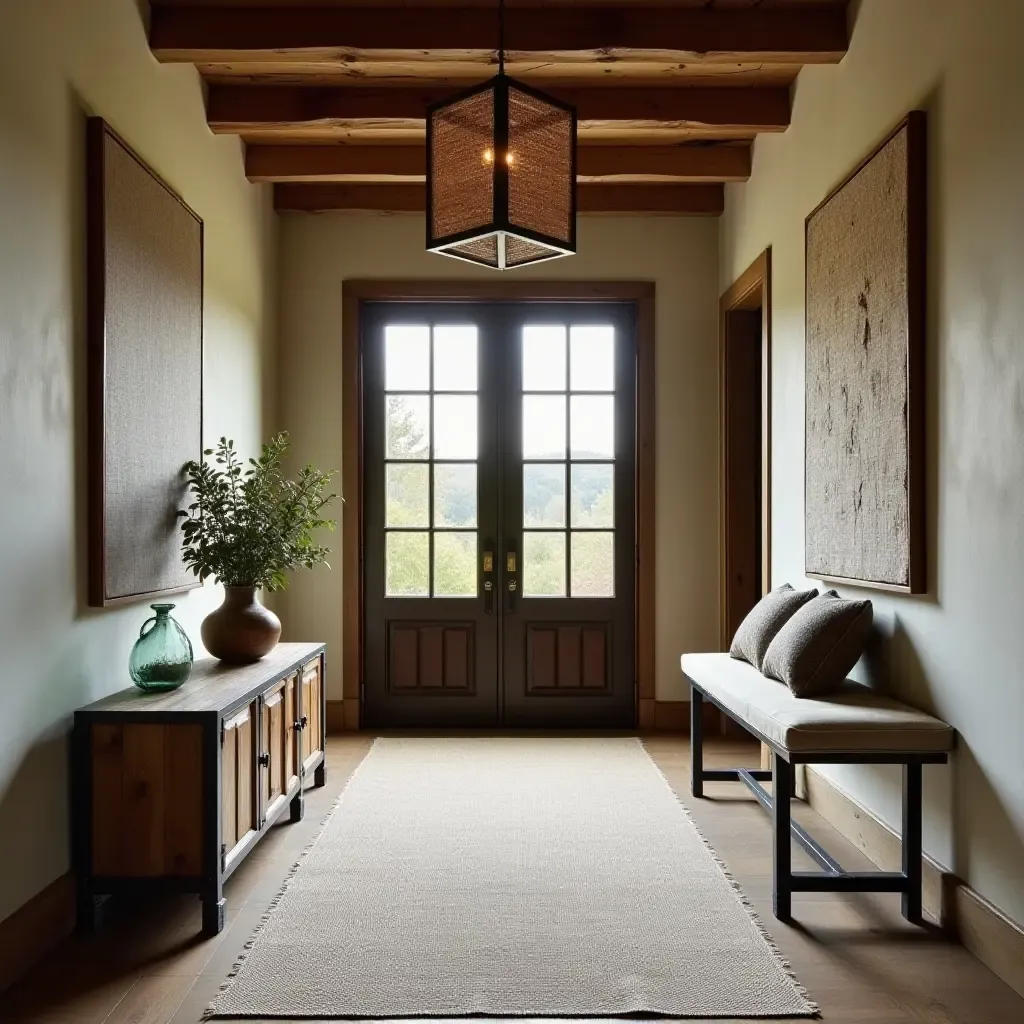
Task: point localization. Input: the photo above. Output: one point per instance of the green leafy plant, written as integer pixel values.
(249, 526)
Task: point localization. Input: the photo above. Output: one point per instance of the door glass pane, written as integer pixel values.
(408, 426)
(593, 494)
(406, 358)
(455, 427)
(407, 494)
(455, 494)
(455, 565)
(592, 357)
(407, 559)
(543, 427)
(593, 565)
(455, 357)
(544, 564)
(543, 495)
(544, 357)
(592, 422)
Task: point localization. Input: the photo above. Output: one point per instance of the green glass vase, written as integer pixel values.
(162, 656)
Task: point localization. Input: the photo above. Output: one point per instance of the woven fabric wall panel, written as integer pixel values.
(151, 400)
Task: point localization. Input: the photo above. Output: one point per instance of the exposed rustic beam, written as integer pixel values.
(702, 200)
(409, 163)
(210, 35)
(241, 109)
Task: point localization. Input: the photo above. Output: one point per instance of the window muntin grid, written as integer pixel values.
(568, 446)
(431, 455)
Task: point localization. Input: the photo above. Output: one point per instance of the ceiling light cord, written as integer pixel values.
(501, 37)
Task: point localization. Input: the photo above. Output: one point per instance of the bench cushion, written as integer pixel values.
(855, 719)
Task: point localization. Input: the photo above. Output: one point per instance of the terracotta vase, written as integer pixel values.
(241, 630)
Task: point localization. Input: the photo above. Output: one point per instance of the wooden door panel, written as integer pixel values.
(430, 657)
(293, 735)
(146, 799)
(275, 739)
(312, 704)
(238, 770)
(567, 657)
(569, 506)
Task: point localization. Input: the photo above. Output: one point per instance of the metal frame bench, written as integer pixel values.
(832, 877)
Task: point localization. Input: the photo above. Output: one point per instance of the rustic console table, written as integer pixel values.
(172, 790)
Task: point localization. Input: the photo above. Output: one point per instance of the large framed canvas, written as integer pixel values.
(145, 371)
(865, 320)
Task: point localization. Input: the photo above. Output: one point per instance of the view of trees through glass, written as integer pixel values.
(568, 497)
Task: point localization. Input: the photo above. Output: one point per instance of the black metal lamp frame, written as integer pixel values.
(501, 225)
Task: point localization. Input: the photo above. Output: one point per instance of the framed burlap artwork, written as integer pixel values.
(145, 371)
(865, 313)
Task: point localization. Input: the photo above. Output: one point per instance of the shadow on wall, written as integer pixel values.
(981, 826)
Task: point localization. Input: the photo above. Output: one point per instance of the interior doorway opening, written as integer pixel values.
(745, 370)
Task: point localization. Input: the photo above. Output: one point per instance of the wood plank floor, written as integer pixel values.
(857, 957)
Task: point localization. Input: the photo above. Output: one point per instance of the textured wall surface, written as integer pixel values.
(60, 61)
(320, 251)
(858, 496)
(957, 650)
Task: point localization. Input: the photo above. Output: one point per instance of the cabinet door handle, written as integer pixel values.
(300, 723)
(264, 760)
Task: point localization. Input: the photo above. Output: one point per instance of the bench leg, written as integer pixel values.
(696, 743)
(782, 861)
(912, 798)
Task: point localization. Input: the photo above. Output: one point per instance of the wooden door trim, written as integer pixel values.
(751, 290)
(357, 292)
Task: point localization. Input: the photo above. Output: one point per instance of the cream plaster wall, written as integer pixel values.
(960, 649)
(320, 251)
(61, 60)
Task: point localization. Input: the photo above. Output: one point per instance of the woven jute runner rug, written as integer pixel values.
(535, 877)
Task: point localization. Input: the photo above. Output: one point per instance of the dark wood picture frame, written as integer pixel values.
(101, 388)
(915, 126)
(354, 294)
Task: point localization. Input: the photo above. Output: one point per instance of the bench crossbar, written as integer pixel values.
(786, 881)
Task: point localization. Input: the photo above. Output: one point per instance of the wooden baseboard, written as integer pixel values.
(996, 940)
(35, 928)
(342, 716)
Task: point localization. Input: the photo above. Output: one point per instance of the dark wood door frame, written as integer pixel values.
(346, 713)
(751, 291)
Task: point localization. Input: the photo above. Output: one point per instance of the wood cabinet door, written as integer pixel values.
(293, 732)
(312, 703)
(274, 745)
(238, 777)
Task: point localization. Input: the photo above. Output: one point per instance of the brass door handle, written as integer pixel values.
(512, 578)
(488, 571)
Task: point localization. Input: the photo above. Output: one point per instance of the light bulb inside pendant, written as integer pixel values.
(510, 158)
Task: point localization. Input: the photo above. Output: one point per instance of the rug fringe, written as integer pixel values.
(743, 899)
(211, 1011)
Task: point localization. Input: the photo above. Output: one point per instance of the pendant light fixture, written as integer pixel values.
(501, 173)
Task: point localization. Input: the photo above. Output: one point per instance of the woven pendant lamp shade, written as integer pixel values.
(501, 176)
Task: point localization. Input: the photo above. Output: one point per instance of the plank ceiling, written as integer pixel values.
(330, 95)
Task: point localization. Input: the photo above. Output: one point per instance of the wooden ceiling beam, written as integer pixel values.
(210, 34)
(234, 109)
(408, 164)
(698, 200)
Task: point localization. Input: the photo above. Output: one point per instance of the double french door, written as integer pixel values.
(499, 514)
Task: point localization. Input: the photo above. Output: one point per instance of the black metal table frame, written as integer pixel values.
(832, 877)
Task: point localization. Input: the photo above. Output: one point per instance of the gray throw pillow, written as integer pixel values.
(764, 620)
(816, 649)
